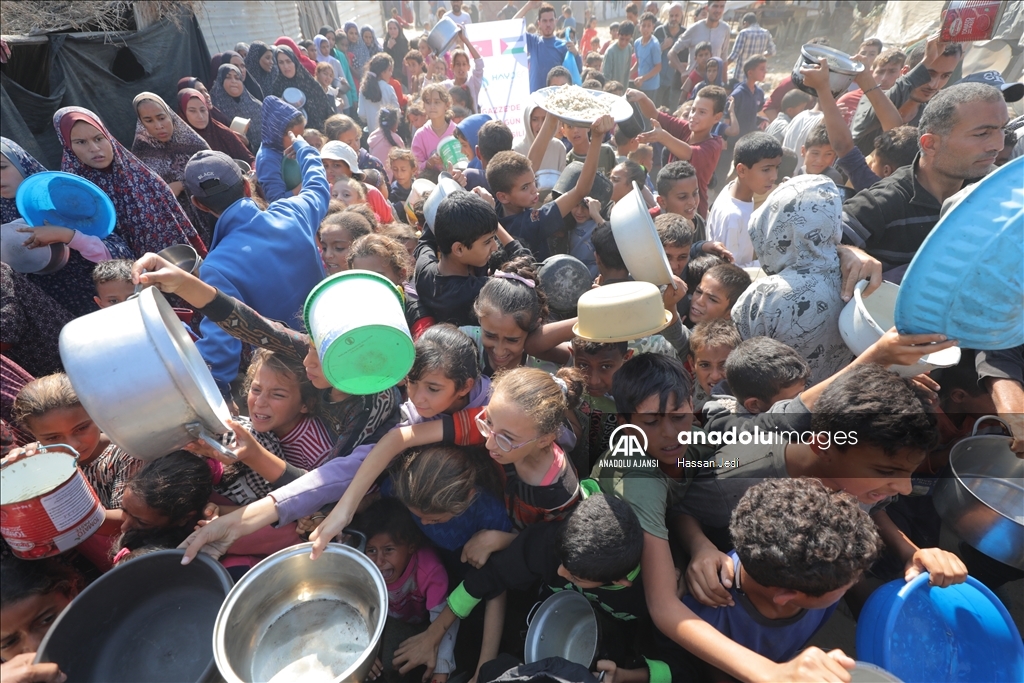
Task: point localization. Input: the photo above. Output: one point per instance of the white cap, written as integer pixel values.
(339, 151)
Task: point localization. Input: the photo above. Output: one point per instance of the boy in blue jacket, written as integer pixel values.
(267, 259)
(278, 120)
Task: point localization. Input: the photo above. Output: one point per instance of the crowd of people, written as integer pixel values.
(487, 474)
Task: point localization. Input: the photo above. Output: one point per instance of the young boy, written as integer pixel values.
(757, 157)
(113, 281)
(624, 145)
(648, 58)
(599, 362)
(580, 140)
(279, 120)
(762, 371)
(594, 60)
(676, 235)
(613, 32)
(793, 102)
(885, 69)
(451, 262)
(718, 290)
(493, 137)
(618, 57)
(711, 343)
(403, 166)
(615, 88)
(798, 548)
(644, 155)
(558, 75)
(678, 193)
(511, 176)
(747, 96)
(819, 156)
(610, 266)
(702, 55)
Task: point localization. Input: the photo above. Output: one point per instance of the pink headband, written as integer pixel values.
(512, 276)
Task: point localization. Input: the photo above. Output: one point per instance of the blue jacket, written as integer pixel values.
(276, 114)
(269, 260)
(545, 54)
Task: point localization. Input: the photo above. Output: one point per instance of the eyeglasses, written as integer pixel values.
(503, 442)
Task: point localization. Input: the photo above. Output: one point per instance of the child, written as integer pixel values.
(757, 157)
(585, 217)
(613, 32)
(818, 155)
(747, 97)
(793, 102)
(623, 176)
(712, 75)
(676, 235)
(762, 371)
(417, 582)
(511, 176)
(349, 191)
(344, 129)
(610, 266)
(599, 363)
(113, 280)
(493, 137)
(580, 140)
(404, 234)
(337, 233)
(314, 137)
(451, 264)
(644, 155)
(386, 137)
(554, 151)
(786, 585)
(623, 145)
(797, 232)
(617, 58)
(615, 88)
(163, 502)
(460, 67)
(717, 292)
(402, 164)
(648, 57)
(33, 594)
(386, 256)
(558, 75)
(467, 132)
(702, 55)
(697, 267)
(414, 72)
(278, 120)
(710, 345)
(437, 105)
(375, 91)
(678, 193)
(594, 60)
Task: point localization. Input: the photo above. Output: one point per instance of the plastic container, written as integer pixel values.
(922, 633)
(357, 322)
(450, 151)
(67, 200)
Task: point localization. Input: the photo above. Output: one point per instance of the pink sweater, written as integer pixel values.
(424, 142)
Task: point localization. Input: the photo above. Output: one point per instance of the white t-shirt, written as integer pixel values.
(799, 128)
(462, 18)
(728, 220)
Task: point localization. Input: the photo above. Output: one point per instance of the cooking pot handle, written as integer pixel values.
(533, 612)
(196, 430)
(986, 418)
(42, 449)
(361, 546)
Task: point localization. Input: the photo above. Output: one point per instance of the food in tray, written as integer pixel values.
(577, 102)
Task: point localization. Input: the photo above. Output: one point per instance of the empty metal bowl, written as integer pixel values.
(183, 256)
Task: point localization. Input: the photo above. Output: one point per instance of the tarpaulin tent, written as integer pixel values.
(102, 72)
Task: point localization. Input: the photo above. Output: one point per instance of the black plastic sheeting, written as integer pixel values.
(102, 74)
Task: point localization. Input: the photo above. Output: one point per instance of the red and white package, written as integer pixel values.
(965, 21)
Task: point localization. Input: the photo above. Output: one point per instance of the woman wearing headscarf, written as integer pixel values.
(554, 155)
(165, 144)
(397, 45)
(369, 39)
(324, 49)
(30, 324)
(196, 84)
(300, 54)
(236, 60)
(795, 234)
(215, 62)
(192, 108)
(261, 66)
(72, 285)
(319, 105)
(360, 53)
(148, 216)
(230, 96)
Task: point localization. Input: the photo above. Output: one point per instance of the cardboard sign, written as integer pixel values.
(965, 21)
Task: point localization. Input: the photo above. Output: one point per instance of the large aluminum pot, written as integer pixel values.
(443, 35)
(842, 70)
(564, 626)
(983, 500)
(142, 380)
(303, 619)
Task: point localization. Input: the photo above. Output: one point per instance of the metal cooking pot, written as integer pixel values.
(141, 378)
(22, 259)
(983, 500)
(841, 68)
(444, 33)
(149, 619)
(564, 626)
(306, 619)
(183, 256)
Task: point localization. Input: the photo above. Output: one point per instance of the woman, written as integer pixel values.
(360, 53)
(324, 48)
(554, 155)
(148, 216)
(319, 105)
(215, 62)
(71, 286)
(236, 60)
(300, 54)
(260, 66)
(196, 84)
(192, 107)
(369, 39)
(231, 97)
(30, 324)
(397, 45)
(165, 144)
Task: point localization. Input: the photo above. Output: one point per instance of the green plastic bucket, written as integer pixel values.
(450, 151)
(357, 322)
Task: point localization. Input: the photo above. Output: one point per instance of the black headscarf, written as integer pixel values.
(255, 72)
(319, 105)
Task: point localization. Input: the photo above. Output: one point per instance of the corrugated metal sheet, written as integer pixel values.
(226, 23)
(363, 12)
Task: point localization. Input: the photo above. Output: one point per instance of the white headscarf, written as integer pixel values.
(554, 155)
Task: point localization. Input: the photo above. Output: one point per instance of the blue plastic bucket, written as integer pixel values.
(357, 322)
(934, 635)
(67, 200)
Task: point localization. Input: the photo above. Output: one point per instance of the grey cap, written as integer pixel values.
(214, 179)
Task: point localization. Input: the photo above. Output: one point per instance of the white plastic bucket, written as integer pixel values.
(357, 322)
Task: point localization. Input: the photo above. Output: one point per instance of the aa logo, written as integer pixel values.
(628, 440)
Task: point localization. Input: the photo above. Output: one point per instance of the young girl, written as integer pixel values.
(163, 502)
(712, 76)
(349, 191)
(415, 115)
(460, 66)
(402, 166)
(386, 138)
(383, 255)
(375, 92)
(337, 233)
(33, 593)
(414, 71)
(437, 103)
(416, 580)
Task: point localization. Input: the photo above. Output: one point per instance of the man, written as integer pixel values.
(667, 35)
(457, 15)
(752, 40)
(885, 69)
(930, 69)
(508, 11)
(544, 49)
(961, 133)
(712, 30)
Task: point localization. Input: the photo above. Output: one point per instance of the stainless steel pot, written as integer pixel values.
(142, 380)
(183, 256)
(564, 626)
(983, 500)
(841, 68)
(303, 619)
(444, 33)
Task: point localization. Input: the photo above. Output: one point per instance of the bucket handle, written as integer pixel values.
(197, 430)
(41, 449)
(533, 612)
(361, 545)
(986, 418)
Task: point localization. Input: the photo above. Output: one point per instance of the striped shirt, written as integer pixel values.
(751, 41)
(308, 445)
